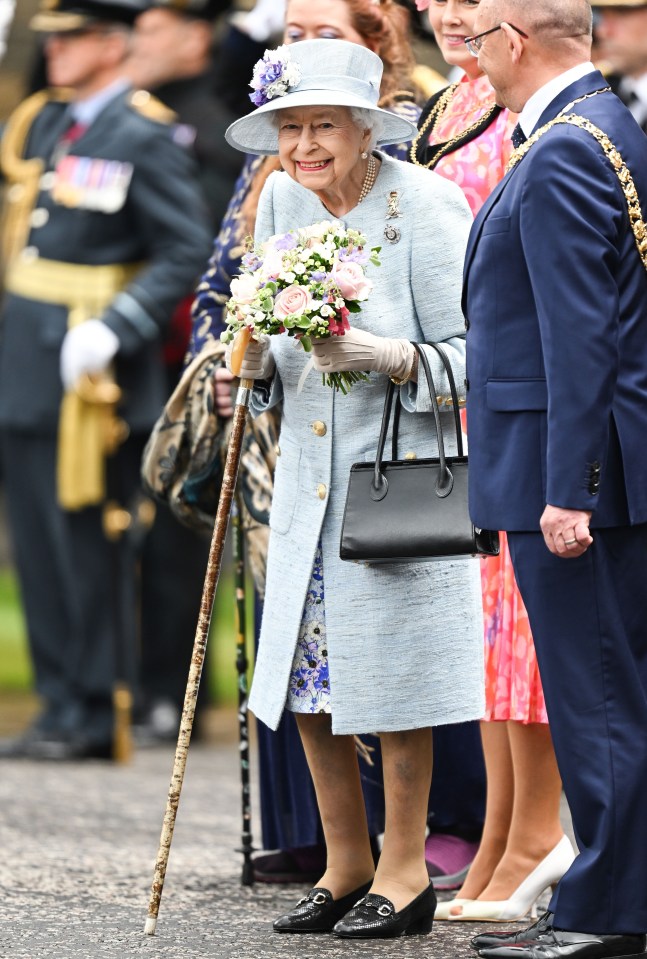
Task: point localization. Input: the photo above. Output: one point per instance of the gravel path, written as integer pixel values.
(77, 849)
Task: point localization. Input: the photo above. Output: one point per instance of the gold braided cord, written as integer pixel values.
(627, 184)
(433, 119)
(22, 176)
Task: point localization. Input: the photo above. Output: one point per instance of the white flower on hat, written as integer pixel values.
(274, 76)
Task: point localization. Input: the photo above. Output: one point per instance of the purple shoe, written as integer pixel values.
(448, 859)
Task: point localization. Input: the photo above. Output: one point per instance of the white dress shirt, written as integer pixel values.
(529, 116)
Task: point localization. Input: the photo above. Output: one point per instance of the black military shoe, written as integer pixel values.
(564, 944)
(374, 917)
(486, 939)
(318, 911)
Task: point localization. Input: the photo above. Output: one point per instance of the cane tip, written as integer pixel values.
(149, 928)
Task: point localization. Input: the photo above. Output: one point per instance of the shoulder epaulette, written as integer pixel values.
(150, 107)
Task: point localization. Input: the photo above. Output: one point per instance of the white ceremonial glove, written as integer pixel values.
(87, 348)
(265, 20)
(359, 351)
(258, 363)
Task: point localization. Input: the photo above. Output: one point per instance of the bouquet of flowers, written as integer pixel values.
(304, 283)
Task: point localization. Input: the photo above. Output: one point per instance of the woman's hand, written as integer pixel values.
(359, 351)
(224, 404)
(258, 363)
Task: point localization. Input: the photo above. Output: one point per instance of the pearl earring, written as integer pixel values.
(364, 155)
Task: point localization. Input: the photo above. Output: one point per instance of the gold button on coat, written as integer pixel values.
(277, 450)
(319, 428)
(321, 491)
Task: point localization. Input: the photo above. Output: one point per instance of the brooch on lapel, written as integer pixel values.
(391, 232)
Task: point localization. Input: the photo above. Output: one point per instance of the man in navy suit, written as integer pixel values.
(555, 300)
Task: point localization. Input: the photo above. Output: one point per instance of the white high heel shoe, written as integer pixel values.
(524, 899)
(442, 908)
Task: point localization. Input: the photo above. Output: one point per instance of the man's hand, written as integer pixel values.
(566, 531)
(222, 381)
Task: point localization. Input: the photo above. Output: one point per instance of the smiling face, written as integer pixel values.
(452, 21)
(320, 148)
(320, 20)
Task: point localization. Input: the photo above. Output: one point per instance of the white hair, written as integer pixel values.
(368, 120)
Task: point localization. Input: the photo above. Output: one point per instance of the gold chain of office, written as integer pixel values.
(614, 157)
(432, 121)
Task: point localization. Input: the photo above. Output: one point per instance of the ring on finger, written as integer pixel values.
(570, 542)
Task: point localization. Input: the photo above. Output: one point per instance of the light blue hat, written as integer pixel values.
(314, 73)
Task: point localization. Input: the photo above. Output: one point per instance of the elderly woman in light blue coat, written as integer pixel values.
(356, 648)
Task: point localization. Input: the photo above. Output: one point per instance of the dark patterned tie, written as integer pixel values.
(518, 137)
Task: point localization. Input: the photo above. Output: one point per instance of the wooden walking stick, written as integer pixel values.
(238, 544)
(202, 630)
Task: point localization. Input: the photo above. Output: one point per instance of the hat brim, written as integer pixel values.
(256, 133)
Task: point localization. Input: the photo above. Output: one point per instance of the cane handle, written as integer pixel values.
(241, 341)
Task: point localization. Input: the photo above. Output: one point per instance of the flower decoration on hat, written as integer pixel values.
(274, 76)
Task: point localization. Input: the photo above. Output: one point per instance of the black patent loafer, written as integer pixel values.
(487, 939)
(563, 944)
(318, 911)
(374, 917)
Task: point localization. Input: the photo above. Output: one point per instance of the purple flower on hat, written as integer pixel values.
(273, 76)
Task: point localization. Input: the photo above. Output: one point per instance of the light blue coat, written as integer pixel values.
(405, 641)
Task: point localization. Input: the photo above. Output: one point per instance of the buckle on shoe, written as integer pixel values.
(385, 910)
(319, 899)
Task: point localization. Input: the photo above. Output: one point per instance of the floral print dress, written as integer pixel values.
(309, 689)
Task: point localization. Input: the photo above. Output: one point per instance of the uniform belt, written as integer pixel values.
(86, 429)
(85, 290)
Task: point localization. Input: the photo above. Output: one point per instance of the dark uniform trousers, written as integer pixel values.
(121, 201)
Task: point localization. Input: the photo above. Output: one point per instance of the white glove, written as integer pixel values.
(258, 363)
(266, 19)
(359, 351)
(87, 348)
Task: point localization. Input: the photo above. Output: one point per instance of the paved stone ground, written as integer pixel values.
(78, 844)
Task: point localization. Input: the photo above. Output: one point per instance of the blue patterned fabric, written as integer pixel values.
(309, 688)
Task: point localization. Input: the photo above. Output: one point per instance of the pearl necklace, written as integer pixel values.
(369, 179)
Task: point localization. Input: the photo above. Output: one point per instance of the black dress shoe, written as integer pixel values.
(318, 911)
(374, 917)
(563, 944)
(487, 939)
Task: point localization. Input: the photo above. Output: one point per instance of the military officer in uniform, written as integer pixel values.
(104, 232)
(621, 33)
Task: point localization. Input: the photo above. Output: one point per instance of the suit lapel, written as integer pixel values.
(588, 84)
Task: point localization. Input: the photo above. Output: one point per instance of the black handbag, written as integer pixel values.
(412, 510)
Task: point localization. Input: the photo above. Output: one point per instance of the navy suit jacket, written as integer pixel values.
(555, 300)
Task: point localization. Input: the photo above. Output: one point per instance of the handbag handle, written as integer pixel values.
(445, 481)
(454, 393)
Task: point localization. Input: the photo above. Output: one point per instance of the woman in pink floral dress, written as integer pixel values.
(465, 137)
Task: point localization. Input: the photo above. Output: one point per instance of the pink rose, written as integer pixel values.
(349, 278)
(293, 301)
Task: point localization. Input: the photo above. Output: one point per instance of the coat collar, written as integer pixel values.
(587, 84)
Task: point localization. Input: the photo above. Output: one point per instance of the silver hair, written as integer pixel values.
(363, 118)
(366, 119)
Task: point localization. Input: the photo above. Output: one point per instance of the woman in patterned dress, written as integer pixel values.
(465, 136)
(290, 822)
